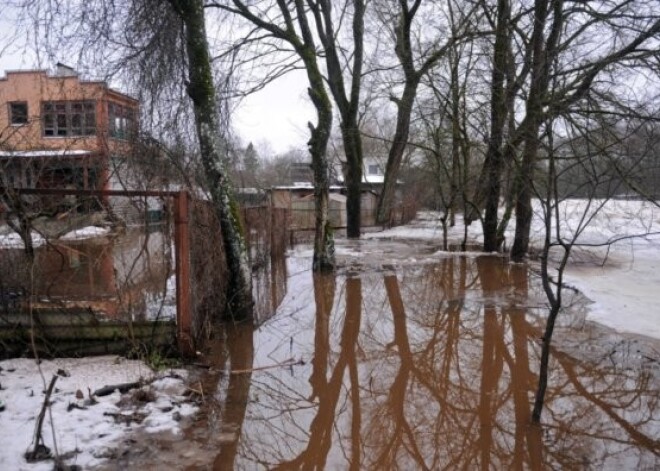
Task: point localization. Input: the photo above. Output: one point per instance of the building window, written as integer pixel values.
(122, 121)
(68, 118)
(18, 113)
(374, 170)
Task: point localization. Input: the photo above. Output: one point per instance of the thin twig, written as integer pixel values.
(289, 362)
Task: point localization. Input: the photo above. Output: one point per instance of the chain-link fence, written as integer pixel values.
(85, 269)
(266, 231)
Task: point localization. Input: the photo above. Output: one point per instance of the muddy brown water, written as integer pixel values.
(115, 275)
(424, 364)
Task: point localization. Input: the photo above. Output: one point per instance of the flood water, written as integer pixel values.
(121, 276)
(420, 362)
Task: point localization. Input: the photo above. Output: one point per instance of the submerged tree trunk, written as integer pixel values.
(456, 139)
(494, 162)
(413, 74)
(212, 149)
(347, 101)
(324, 248)
(543, 52)
(354, 157)
(300, 37)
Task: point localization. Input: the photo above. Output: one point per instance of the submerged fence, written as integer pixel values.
(79, 274)
(116, 271)
(302, 219)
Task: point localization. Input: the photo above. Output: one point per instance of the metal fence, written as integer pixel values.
(266, 233)
(78, 273)
(120, 270)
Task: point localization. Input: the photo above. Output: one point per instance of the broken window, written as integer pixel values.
(18, 112)
(68, 118)
(122, 121)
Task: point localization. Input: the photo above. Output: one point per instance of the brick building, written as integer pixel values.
(58, 131)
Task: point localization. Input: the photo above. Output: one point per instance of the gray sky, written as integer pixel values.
(278, 114)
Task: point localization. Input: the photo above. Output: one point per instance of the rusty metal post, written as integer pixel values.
(182, 273)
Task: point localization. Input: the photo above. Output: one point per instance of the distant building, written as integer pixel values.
(58, 131)
(297, 196)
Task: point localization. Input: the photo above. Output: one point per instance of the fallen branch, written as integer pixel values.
(289, 362)
(40, 450)
(199, 392)
(122, 388)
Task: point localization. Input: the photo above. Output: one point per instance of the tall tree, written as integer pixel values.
(414, 65)
(494, 161)
(292, 27)
(348, 101)
(340, 53)
(541, 105)
(201, 90)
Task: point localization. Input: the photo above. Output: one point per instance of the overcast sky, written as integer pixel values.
(277, 114)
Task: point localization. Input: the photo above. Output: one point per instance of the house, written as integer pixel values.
(59, 131)
(297, 196)
(373, 179)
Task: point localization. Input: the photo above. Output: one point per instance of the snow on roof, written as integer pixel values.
(308, 186)
(45, 153)
(87, 232)
(376, 179)
(373, 178)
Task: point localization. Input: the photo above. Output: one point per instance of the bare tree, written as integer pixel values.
(414, 65)
(291, 26)
(603, 173)
(201, 90)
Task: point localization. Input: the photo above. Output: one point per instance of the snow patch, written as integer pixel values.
(88, 232)
(88, 432)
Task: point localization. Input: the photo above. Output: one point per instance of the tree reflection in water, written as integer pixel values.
(432, 367)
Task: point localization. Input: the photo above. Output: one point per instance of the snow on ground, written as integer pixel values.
(87, 232)
(616, 262)
(162, 306)
(11, 240)
(84, 436)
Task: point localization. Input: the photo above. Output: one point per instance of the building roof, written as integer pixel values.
(72, 74)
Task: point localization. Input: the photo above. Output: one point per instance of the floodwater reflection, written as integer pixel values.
(429, 367)
(117, 276)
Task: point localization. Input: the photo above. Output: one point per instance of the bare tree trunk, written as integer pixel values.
(494, 162)
(303, 43)
(354, 157)
(542, 52)
(395, 156)
(455, 142)
(324, 249)
(347, 101)
(212, 149)
(413, 73)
